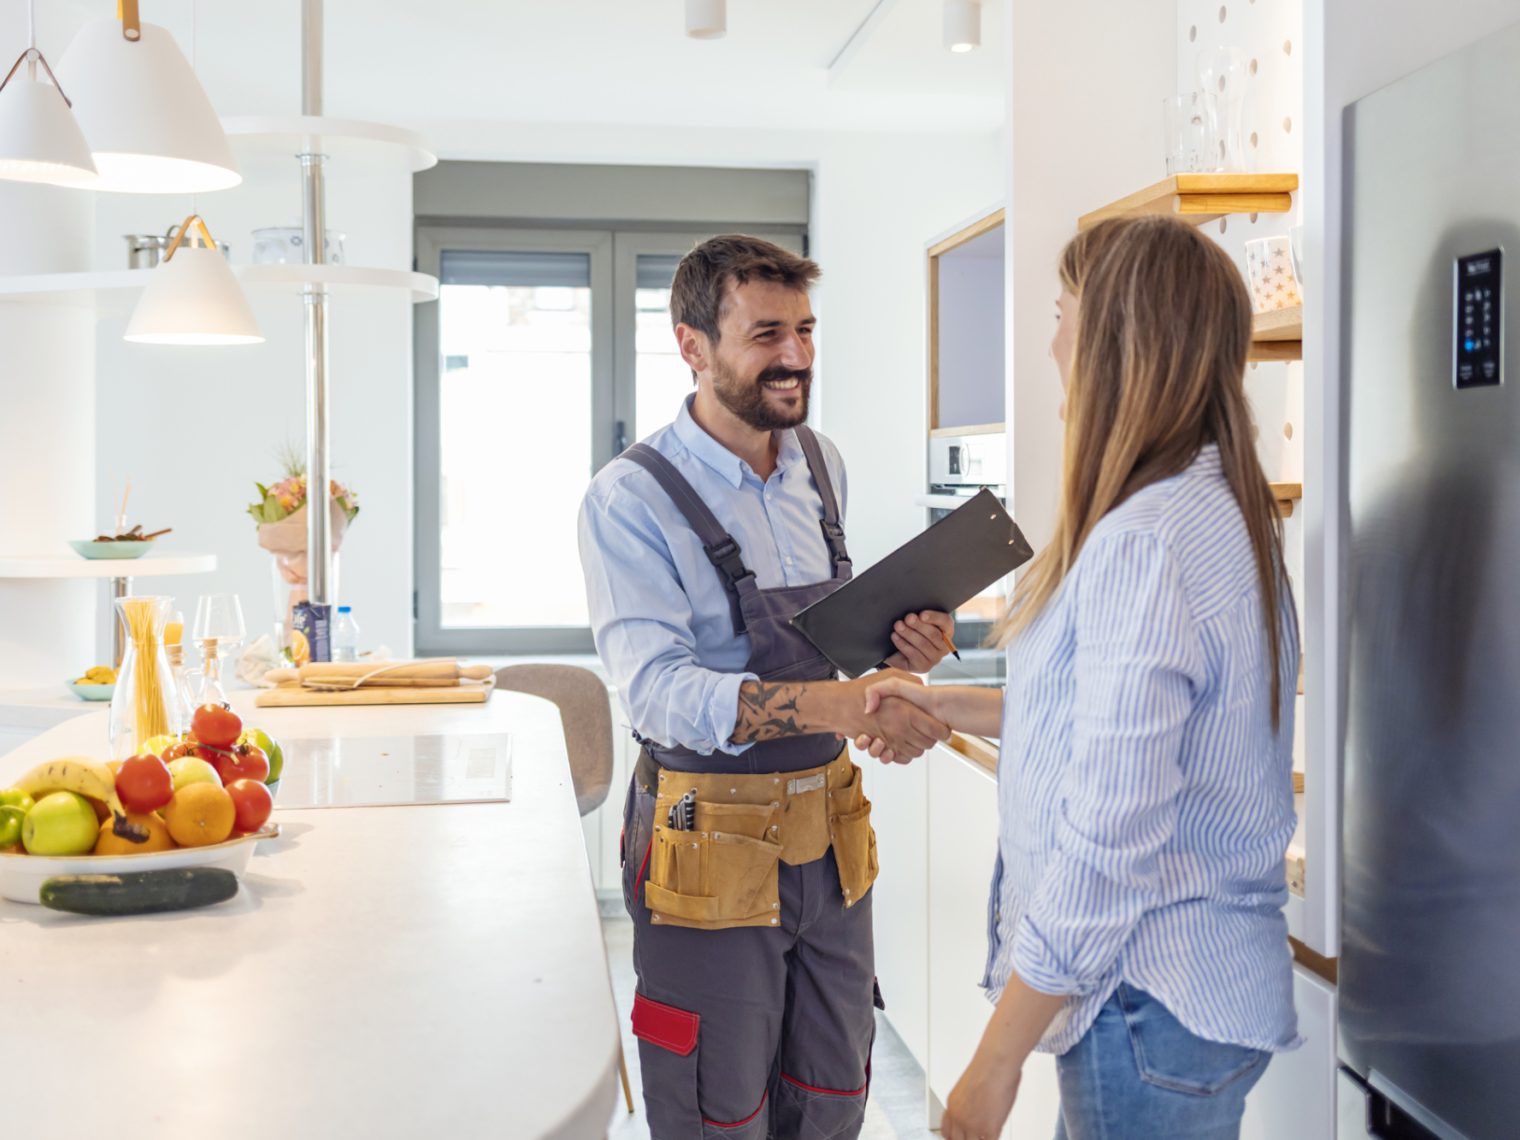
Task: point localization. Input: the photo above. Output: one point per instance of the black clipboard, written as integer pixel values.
(945, 567)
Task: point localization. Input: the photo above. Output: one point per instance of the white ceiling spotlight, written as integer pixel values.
(149, 124)
(39, 139)
(706, 19)
(963, 24)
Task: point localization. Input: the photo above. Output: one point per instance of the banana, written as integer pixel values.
(85, 777)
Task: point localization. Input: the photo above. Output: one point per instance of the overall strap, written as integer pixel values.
(833, 531)
(721, 549)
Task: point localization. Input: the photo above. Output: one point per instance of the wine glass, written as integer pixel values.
(218, 628)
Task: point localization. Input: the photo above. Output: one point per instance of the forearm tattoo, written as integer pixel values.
(769, 712)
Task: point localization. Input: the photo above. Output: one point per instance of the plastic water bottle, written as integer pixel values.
(345, 638)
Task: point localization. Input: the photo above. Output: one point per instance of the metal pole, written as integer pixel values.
(314, 234)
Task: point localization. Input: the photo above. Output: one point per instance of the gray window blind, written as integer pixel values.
(504, 267)
(655, 270)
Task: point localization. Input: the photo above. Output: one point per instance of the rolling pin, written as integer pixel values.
(397, 674)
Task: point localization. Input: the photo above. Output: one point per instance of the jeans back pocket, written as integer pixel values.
(1170, 1056)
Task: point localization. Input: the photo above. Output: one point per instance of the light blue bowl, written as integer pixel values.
(110, 549)
(92, 692)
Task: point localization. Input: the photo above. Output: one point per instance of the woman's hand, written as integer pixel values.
(981, 1100)
(881, 697)
(922, 641)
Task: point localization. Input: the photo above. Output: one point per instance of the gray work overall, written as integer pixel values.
(764, 1028)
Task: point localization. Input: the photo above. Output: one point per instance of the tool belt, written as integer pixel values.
(720, 872)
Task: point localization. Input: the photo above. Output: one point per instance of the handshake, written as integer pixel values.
(895, 716)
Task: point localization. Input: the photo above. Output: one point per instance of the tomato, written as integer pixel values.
(144, 783)
(245, 762)
(252, 804)
(216, 725)
(175, 751)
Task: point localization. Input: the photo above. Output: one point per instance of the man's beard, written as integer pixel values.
(747, 400)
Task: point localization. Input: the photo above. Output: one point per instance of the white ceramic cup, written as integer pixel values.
(1269, 269)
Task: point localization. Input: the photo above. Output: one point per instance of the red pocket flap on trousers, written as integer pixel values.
(665, 1025)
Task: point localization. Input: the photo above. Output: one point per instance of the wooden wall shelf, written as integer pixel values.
(1287, 494)
(1200, 198)
(1278, 336)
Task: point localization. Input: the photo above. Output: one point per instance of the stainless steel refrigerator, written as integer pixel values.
(1429, 1033)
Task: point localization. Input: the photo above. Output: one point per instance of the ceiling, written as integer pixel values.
(791, 65)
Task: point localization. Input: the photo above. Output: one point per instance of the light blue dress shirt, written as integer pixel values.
(659, 613)
(1145, 802)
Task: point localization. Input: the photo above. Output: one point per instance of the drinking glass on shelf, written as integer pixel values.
(218, 629)
(1187, 133)
(1222, 75)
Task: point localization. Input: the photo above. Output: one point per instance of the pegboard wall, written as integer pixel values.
(1268, 32)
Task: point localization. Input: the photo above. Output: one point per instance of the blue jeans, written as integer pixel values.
(1137, 1074)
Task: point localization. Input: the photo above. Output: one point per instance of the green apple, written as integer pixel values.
(15, 797)
(61, 823)
(276, 754)
(11, 818)
(192, 770)
(157, 744)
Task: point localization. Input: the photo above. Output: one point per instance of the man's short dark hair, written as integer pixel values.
(703, 278)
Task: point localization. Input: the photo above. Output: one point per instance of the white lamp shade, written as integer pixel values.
(39, 139)
(149, 124)
(706, 19)
(963, 24)
(193, 299)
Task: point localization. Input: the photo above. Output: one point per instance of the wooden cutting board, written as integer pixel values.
(294, 696)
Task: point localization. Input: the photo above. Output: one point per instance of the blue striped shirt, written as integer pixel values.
(1145, 803)
(660, 615)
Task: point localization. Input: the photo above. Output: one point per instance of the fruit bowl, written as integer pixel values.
(22, 876)
(121, 549)
(88, 692)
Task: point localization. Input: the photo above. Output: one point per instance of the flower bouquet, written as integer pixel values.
(281, 517)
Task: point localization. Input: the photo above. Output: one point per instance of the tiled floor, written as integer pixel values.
(894, 1112)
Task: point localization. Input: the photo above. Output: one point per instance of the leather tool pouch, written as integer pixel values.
(723, 872)
(853, 838)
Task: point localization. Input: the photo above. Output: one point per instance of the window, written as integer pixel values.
(548, 352)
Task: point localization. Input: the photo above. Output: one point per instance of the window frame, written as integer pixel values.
(431, 636)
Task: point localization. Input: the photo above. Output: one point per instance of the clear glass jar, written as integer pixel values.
(147, 700)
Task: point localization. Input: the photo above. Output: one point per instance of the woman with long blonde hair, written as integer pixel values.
(1145, 781)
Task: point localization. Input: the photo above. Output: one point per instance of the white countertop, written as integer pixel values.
(384, 972)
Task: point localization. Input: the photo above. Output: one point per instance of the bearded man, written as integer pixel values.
(748, 853)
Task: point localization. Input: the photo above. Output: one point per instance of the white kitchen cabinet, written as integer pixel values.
(900, 906)
(1296, 1096)
(962, 848)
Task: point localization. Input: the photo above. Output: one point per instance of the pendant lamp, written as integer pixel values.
(192, 297)
(39, 139)
(150, 126)
(963, 24)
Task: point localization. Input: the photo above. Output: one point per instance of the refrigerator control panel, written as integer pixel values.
(1478, 336)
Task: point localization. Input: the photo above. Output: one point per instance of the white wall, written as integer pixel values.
(47, 442)
(1075, 145)
(878, 200)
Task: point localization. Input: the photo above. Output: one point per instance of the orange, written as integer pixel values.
(110, 843)
(199, 814)
(102, 813)
(300, 648)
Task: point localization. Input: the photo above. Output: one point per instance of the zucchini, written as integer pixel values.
(138, 892)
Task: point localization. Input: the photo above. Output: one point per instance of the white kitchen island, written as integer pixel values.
(413, 971)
